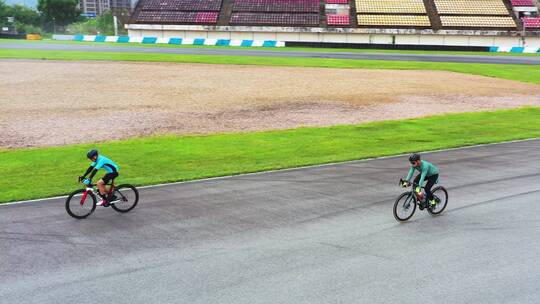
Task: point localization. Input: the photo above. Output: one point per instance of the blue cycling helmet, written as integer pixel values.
(92, 153)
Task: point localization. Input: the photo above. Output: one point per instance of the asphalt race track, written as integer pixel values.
(313, 235)
(277, 53)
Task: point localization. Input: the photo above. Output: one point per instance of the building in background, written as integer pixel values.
(121, 5)
(94, 7)
(91, 8)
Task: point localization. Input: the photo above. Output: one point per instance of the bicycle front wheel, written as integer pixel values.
(441, 197)
(404, 207)
(80, 204)
(128, 197)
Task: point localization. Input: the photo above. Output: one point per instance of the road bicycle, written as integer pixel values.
(81, 203)
(405, 204)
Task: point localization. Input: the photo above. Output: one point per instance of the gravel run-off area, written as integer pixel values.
(49, 103)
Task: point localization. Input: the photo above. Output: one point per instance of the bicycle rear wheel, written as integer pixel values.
(80, 204)
(128, 197)
(441, 196)
(404, 207)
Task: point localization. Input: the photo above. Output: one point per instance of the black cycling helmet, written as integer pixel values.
(414, 157)
(92, 153)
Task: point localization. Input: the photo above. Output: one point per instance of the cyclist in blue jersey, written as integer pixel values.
(101, 162)
(427, 172)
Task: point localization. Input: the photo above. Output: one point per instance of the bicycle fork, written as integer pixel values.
(85, 194)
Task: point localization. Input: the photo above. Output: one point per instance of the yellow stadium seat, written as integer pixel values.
(393, 20)
(477, 21)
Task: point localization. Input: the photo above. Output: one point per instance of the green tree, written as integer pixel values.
(88, 27)
(105, 23)
(3, 13)
(24, 15)
(59, 12)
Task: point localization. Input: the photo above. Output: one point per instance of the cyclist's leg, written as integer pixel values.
(101, 186)
(108, 178)
(431, 180)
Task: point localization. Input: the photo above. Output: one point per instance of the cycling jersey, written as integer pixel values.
(105, 163)
(426, 169)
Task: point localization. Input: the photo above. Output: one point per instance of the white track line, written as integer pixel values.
(288, 169)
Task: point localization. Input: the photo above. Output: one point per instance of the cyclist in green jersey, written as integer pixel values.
(427, 173)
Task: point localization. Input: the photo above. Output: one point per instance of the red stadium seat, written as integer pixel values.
(332, 19)
(531, 22)
(522, 2)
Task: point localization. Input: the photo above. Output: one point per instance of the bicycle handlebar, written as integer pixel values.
(413, 184)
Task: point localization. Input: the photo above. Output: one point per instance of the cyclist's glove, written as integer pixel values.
(418, 189)
(87, 181)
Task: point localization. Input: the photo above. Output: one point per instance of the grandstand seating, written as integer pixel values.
(471, 7)
(391, 6)
(274, 19)
(182, 5)
(334, 20)
(178, 11)
(337, 1)
(276, 12)
(454, 14)
(478, 21)
(178, 17)
(522, 2)
(531, 22)
(277, 6)
(393, 20)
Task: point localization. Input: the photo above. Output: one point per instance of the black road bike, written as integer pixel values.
(405, 205)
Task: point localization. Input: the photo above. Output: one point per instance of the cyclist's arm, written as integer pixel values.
(93, 173)
(94, 167)
(88, 171)
(422, 177)
(411, 172)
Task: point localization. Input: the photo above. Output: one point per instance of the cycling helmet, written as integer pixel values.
(414, 157)
(92, 153)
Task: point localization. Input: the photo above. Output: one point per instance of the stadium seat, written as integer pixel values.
(393, 20)
(332, 19)
(522, 3)
(275, 19)
(391, 6)
(182, 5)
(277, 6)
(337, 1)
(478, 21)
(177, 17)
(206, 17)
(471, 7)
(531, 22)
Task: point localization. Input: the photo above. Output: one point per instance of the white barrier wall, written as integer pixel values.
(372, 36)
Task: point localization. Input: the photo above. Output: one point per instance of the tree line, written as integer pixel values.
(61, 16)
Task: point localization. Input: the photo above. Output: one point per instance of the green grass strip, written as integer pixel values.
(525, 73)
(282, 49)
(42, 172)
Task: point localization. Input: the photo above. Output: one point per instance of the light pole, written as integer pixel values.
(115, 21)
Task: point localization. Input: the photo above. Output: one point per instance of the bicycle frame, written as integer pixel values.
(91, 188)
(413, 191)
